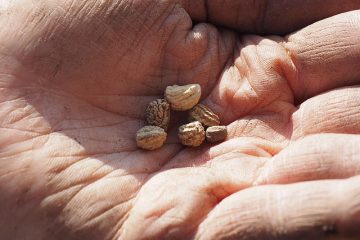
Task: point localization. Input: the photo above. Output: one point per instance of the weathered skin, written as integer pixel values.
(75, 79)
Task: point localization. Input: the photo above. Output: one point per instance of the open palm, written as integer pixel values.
(76, 77)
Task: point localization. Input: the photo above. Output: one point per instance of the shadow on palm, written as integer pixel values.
(86, 86)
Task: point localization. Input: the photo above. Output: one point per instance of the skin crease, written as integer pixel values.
(76, 76)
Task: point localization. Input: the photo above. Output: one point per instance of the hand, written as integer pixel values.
(76, 77)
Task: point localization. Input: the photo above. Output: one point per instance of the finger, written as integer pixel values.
(266, 16)
(268, 75)
(337, 111)
(172, 204)
(326, 156)
(320, 156)
(311, 210)
(326, 55)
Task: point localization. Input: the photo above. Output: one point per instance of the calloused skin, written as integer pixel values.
(76, 76)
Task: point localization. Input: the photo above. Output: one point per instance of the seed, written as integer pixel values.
(183, 98)
(192, 134)
(150, 137)
(216, 134)
(204, 115)
(158, 113)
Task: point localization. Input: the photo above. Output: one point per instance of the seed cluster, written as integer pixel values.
(203, 122)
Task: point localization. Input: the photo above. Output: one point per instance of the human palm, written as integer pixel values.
(77, 76)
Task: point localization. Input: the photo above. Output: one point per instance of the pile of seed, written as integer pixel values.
(203, 122)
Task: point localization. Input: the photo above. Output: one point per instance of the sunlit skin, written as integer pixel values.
(75, 79)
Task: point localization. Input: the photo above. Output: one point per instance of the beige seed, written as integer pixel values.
(192, 134)
(216, 134)
(183, 98)
(150, 137)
